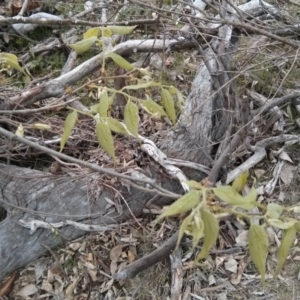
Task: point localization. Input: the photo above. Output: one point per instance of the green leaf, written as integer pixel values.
(12, 61)
(106, 32)
(172, 90)
(83, 45)
(153, 108)
(20, 131)
(274, 210)
(287, 242)
(122, 29)
(183, 227)
(249, 199)
(211, 233)
(192, 184)
(92, 32)
(239, 183)
(281, 225)
(117, 126)
(231, 196)
(120, 61)
(131, 117)
(168, 104)
(183, 204)
(105, 139)
(258, 247)
(141, 85)
(197, 229)
(68, 126)
(104, 104)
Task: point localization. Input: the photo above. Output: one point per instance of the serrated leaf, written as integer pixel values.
(83, 45)
(183, 227)
(153, 108)
(183, 204)
(105, 139)
(122, 29)
(104, 104)
(197, 229)
(68, 126)
(281, 225)
(211, 233)
(120, 61)
(168, 103)
(92, 32)
(231, 196)
(12, 61)
(287, 242)
(274, 210)
(131, 117)
(239, 183)
(141, 85)
(258, 248)
(117, 126)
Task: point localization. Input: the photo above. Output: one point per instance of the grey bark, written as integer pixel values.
(29, 194)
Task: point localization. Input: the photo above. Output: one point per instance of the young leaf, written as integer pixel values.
(12, 61)
(231, 196)
(105, 139)
(153, 108)
(121, 29)
(141, 85)
(120, 61)
(116, 126)
(183, 227)
(281, 225)
(239, 183)
(68, 126)
(285, 246)
(92, 32)
(258, 247)
(249, 199)
(20, 131)
(211, 232)
(131, 117)
(41, 126)
(106, 32)
(194, 185)
(168, 104)
(274, 210)
(83, 45)
(103, 105)
(197, 229)
(183, 204)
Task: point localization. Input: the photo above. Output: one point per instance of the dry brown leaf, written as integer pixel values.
(131, 256)
(113, 267)
(29, 289)
(115, 253)
(75, 246)
(8, 285)
(46, 286)
(70, 289)
(231, 265)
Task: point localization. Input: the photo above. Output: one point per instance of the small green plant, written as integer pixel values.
(105, 124)
(203, 209)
